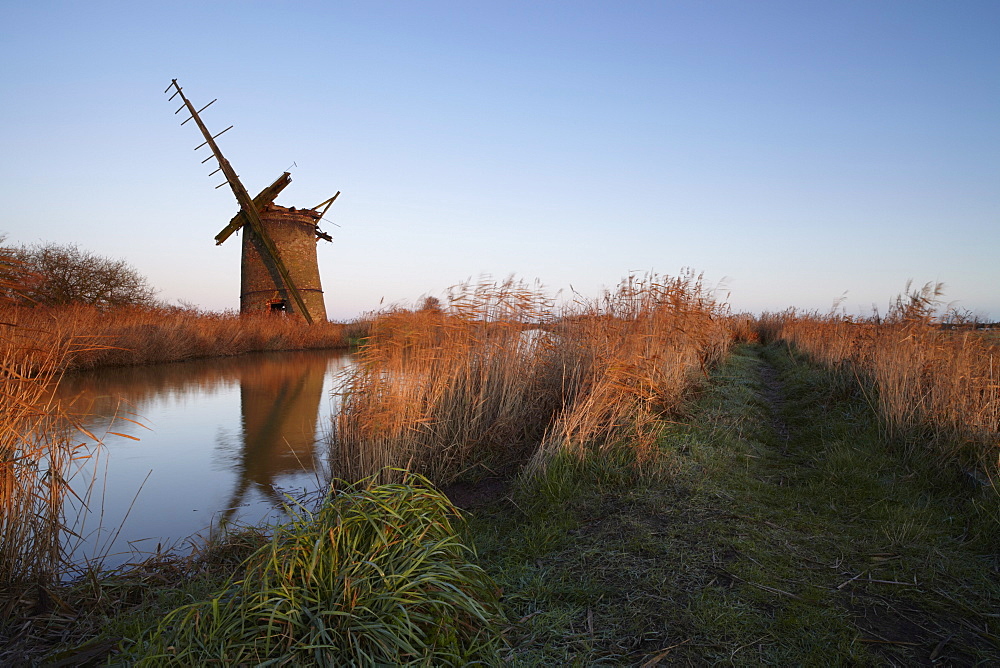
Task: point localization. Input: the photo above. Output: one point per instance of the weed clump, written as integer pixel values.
(376, 576)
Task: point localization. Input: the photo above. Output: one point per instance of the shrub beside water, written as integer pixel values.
(376, 576)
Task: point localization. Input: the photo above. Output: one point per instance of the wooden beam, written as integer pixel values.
(326, 205)
(265, 197)
(243, 197)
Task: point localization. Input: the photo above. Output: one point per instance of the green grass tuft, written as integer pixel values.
(377, 575)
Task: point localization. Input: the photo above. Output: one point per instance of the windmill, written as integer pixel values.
(279, 271)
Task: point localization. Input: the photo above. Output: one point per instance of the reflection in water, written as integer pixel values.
(279, 404)
(220, 440)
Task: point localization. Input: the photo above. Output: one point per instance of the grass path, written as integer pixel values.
(776, 526)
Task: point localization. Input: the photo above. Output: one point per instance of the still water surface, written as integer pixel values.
(219, 440)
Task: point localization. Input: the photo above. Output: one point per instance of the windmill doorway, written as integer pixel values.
(277, 306)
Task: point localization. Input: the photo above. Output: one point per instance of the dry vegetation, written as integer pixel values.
(36, 450)
(934, 387)
(37, 453)
(499, 378)
(628, 359)
(136, 335)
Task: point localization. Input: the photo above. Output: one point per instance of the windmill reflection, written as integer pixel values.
(193, 446)
(172, 411)
(279, 402)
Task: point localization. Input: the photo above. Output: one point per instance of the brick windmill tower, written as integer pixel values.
(279, 272)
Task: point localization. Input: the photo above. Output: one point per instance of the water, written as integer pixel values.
(219, 441)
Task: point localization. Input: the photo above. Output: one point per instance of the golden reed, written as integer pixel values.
(500, 377)
(133, 335)
(936, 386)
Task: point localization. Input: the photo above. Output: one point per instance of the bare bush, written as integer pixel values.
(52, 274)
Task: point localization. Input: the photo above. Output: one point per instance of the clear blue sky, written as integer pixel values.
(792, 151)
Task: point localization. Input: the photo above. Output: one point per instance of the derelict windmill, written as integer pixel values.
(279, 269)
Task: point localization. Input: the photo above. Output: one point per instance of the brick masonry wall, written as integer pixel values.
(293, 233)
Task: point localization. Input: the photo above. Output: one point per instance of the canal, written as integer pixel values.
(191, 447)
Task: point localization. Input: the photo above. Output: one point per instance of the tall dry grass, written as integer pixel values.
(132, 335)
(433, 387)
(933, 386)
(500, 377)
(36, 456)
(38, 453)
(629, 357)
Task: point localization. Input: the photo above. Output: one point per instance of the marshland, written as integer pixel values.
(642, 478)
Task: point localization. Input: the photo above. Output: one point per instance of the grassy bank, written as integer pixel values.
(777, 526)
(639, 492)
(371, 575)
(771, 522)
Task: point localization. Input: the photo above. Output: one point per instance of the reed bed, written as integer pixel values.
(629, 358)
(133, 335)
(30, 498)
(434, 387)
(36, 451)
(934, 387)
(500, 377)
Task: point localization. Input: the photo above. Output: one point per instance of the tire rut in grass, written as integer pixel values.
(773, 395)
(746, 552)
(869, 517)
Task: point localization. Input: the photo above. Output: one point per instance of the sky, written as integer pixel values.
(797, 153)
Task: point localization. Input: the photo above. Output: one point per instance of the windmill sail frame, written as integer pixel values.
(250, 214)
